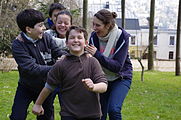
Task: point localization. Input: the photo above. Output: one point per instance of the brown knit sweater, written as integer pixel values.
(76, 100)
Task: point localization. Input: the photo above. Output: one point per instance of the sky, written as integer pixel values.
(166, 11)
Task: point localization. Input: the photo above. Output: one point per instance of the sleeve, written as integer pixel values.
(97, 72)
(116, 63)
(26, 62)
(56, 51)
(50, 87)
(55, 74)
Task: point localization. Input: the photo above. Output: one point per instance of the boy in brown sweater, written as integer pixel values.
(81, 79)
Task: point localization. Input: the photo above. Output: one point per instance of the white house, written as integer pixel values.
(164, 39)
(166, 45)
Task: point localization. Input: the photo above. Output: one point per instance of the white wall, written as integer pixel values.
(163, 38)
(163, 44)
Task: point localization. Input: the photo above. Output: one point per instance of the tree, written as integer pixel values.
(8, 28)
(56, 1)
(123, 12)
(177, 60)
(84, 22)
(151, 31)
(74, 6)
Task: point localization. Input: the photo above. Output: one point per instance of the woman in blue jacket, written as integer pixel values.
(109, 44)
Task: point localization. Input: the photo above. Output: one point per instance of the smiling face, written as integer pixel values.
(76, 42)
(36, 32)
(63, 23)
(100, 28)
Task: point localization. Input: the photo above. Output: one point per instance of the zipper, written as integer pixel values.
(34, 44)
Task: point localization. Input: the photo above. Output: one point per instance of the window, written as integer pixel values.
(170, 54)
(118, 9)
(172, 40)
(155, 40)
(133, 40)
(107, 5)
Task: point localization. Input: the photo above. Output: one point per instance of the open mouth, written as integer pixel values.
(76, 45)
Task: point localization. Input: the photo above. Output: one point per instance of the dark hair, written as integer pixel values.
(29, 18)
(65, 12)
(79, 29)
(106, 17)
(55, 6)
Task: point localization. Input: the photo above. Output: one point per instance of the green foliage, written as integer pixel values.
(8, 34)
(75, 12)
(76, 16)
(44, 9)
(157, 98)
(8, 27)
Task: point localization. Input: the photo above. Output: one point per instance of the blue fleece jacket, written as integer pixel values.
(34, 60)
(120, 62)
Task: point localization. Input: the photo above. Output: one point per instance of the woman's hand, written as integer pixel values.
(91, 49)
(19, 37)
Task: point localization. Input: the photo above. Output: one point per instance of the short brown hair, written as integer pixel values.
(79, 29)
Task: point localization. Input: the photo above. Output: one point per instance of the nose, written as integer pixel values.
(43, 27)
(75, 39)
(62, 24)
(94, 27)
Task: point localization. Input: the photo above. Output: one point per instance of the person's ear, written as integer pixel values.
(28, 29)
(86, 42)
(108, 26)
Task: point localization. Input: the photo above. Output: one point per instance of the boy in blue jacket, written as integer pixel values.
(35, 52)
(53, 10)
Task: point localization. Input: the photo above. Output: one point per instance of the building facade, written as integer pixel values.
(164, 39)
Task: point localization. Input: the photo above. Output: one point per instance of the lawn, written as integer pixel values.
(157, 98)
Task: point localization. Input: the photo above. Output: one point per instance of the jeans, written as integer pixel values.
(23, 98)
(73, 118)
(112, 99)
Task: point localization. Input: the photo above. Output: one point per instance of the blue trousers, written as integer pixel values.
(112, 99)
(57, 92)
(23, 98)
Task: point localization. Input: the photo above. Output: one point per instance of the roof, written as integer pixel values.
(130, 23)
(147, 27)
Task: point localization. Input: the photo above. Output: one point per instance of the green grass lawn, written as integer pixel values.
(157, 98)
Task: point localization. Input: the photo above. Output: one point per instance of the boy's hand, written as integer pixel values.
(62, 57)
(38, 110)
(88, 84)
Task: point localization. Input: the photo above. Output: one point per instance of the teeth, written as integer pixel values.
(62, 30)
(76, 45)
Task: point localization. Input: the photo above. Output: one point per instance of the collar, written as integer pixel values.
(29, 38)
(69, 55)
(106, 38)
